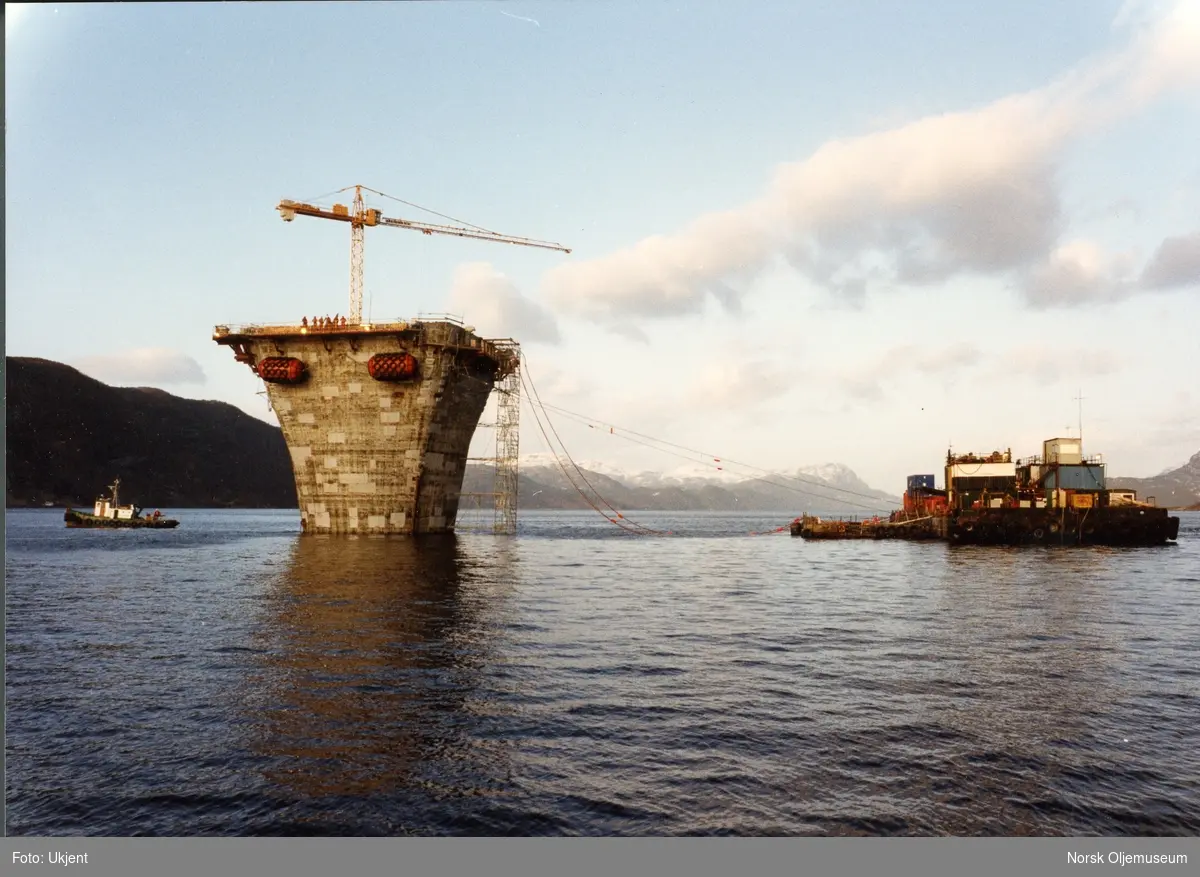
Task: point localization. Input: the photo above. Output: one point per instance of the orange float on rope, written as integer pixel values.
(282, 370)
(393, 366)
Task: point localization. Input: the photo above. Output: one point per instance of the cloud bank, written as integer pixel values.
(492, 303)
(1076, 273)
(738, 385)
(1052, 365)
(1081, 272)
(1176, 263)
(957, 193)
(866, 383)
(144, 367)
(948, 364)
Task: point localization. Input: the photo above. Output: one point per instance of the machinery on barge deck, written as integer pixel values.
(1059, 497)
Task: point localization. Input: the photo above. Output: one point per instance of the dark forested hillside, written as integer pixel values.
(68, 436)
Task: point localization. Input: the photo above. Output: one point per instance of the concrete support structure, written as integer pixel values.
(374, 455)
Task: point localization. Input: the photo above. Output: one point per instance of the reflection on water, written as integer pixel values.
(577, 681)
(374, 653)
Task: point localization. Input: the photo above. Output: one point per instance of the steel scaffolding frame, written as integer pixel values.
(503, 496)
(508, 439)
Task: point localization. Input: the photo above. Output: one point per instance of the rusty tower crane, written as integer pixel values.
(360, 216)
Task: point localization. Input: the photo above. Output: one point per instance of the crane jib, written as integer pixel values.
(359, 216)
(470, 233)
(290, 209)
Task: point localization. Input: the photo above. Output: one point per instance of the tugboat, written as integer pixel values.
(107, 513)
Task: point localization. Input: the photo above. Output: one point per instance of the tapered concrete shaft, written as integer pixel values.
(369, 455)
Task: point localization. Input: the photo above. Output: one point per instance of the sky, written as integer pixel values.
(801, 233)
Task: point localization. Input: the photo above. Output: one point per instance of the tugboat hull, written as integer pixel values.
(76, 519)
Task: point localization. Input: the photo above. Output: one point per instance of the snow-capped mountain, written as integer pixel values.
(685, 473)
(721, 485)
(702, 484)
(706, 471)
(836, 474)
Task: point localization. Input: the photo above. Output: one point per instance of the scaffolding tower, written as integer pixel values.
(508, 439)
(503, 496)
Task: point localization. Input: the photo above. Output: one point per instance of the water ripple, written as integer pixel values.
(231, 678)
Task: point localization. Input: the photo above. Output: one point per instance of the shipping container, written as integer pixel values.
(1082, 477)
(1062, 450)
(981, 470)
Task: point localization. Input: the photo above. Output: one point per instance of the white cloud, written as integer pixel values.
(738, 385)
(1139, 13)
(666, 275)
(862, 386)
(1047, 365)
(959, 192)
(556, 386)
(1044, 364)
(144, 367)
(866, 383)
(952, 358)
(1079, 272)
(492, 303)
(1175, 263)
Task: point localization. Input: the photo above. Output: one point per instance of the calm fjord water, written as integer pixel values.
(231, 677)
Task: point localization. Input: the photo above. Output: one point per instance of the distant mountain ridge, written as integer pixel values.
(1176, 488)
(542, 486)
(69, 435)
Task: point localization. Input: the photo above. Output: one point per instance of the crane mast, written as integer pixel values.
(356, 259)
(360, 217)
